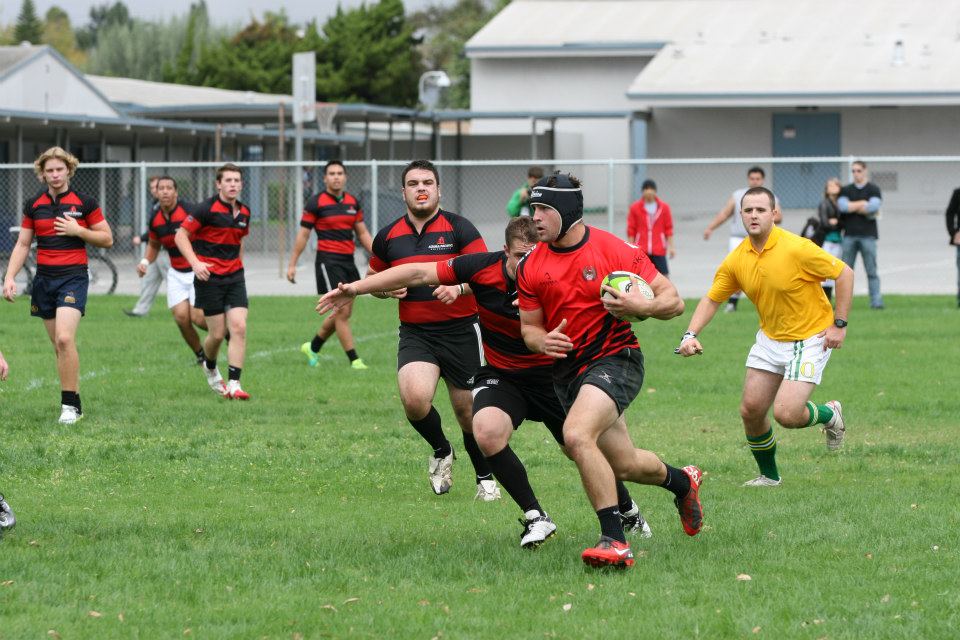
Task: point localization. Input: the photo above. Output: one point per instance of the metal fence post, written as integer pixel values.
(142, 209)
(611, 183)
(375, 197)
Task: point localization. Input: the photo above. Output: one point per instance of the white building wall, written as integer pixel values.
(46, 86)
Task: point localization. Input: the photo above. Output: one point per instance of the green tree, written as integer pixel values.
(369, 54)
(29, 28)
(446, 30)
(101, 17)
(58, 33)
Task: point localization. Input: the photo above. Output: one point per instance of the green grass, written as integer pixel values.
(307, 513)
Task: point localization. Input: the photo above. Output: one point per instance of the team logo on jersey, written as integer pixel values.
(589, 274)
(73, 213)
(548, 280)
(351, 210)
(441, 244)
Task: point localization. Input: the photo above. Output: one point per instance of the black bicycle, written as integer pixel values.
(100, 269)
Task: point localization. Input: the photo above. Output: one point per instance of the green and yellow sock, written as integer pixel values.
(764, 450)
(819, 414)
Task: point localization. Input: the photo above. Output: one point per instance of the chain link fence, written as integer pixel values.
(912, 231)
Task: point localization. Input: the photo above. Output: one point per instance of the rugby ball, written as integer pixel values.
(621, 281)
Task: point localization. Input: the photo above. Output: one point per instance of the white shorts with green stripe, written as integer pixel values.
(802, 360)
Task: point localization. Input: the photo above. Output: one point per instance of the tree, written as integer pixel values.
(58, 33)
(446, 31)
(29, 28)
(369, 54)
(101, 17)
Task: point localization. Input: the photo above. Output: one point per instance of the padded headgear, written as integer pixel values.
(563, 197)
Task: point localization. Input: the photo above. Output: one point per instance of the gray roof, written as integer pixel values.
(11, 57)
(749, 52)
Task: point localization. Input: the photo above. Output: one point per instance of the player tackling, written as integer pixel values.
(598, 368)
(781, 274)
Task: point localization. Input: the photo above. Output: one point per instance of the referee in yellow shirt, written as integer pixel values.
(781, 273)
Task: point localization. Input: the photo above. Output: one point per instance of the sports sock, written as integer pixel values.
(734, 301)
(233, 373)
(512, 476)
(211, 365)
(199, 354)
(316, 344)
(764, 450)
(610, 524)
(71, 398)
(819, 414)
(677, 481)
(430, 430)
(624, 501)
(352, 354)
(480, 465)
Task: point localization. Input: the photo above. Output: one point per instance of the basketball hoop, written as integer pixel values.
(326, 114)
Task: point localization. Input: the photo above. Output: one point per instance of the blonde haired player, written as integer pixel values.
(64, 222)
(781, 274)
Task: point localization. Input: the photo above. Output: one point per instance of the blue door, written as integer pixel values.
(800, 184)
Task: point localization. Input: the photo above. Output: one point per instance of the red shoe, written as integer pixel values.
(234, 392)
(608, 553)
(691, 511)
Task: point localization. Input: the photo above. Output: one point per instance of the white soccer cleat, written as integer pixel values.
(537, 528)
(835, 429)
(234, 392)
(69, 414)
(215, 381)
(440, 471)
(487, 491)
(762, 481)
(634, 522)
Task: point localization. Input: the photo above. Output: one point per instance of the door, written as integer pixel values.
(799, 185)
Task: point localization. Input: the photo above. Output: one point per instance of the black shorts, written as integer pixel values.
(458, 351)
(522, 395)
(330, 274)
(51, 292)
(660, 262)
(620, 376)
(214, 297)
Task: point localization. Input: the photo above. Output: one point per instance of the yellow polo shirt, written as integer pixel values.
(783, 281)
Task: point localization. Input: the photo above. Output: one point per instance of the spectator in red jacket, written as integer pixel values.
(650, 226)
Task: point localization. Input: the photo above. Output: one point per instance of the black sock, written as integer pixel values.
(509, 471)
(233, 373)
(624, 501)
(71, 398)
(677, 481)
(734, 302)
(430, 430)
(352, 354)
(210, 364)
(199, 354)
(316, 344)
(610, 525)
(479, 461)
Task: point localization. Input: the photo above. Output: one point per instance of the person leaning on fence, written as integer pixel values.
(63, 221)
(953, 229)
(519, 204)
(859, 204)
(650, 227)
(157, 270)
(828, 215)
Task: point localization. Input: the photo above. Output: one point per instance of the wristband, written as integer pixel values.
(461, 288)
(145, 262)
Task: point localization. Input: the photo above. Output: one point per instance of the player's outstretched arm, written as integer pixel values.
(153, 248)
(299, 244)
(702, 315)
(390, 280)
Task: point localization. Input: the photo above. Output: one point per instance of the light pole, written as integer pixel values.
(429, 87)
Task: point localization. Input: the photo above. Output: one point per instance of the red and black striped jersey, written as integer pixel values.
(565, 284)
(217, 234)
(444, 236)
(495, 292)
(60, 255)
(333, 219)
(163, 228)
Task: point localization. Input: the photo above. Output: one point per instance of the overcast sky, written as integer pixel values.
(221, 11)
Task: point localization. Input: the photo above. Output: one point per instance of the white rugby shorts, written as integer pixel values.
(179, 287)
(802, 360)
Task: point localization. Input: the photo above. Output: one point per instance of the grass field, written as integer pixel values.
(306, 513)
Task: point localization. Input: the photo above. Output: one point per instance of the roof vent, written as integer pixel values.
(898, 56)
